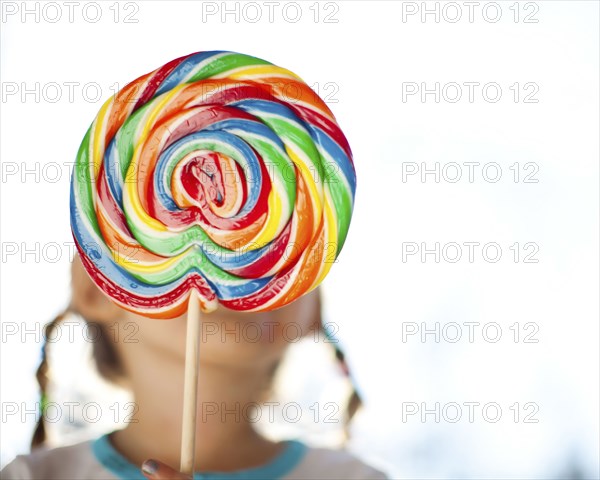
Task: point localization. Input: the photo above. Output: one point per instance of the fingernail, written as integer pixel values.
(150, 467)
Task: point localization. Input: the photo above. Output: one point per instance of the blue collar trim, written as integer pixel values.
(281, 465)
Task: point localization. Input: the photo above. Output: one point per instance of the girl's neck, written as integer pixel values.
(225, 437)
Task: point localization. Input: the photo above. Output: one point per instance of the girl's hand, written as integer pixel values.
(155, 470)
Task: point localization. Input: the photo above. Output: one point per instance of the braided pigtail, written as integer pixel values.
(39, 435)
(103, 352)
(354, 401)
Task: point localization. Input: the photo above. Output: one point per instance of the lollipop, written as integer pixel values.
(218, 173)
(216, 178)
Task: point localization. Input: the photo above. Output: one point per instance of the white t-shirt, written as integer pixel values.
(98, 460)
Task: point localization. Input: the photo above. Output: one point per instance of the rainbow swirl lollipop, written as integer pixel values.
(218, 173)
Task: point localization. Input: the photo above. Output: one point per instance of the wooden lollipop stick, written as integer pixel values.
(190, 386)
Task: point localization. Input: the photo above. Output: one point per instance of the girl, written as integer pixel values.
(233, 373)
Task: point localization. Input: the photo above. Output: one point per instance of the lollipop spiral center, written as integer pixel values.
(201, 173)
(209, 178)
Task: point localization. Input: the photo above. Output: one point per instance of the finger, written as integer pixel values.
(155, 470)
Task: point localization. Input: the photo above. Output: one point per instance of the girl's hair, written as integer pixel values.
(110, 368)
(105, 357)
(354, 401)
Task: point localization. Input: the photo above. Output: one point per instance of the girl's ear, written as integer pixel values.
(87, 299)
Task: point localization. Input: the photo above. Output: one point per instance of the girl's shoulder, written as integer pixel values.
(327, 464)
(64, 463)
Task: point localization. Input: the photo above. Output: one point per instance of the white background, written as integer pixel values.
(362, 64)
